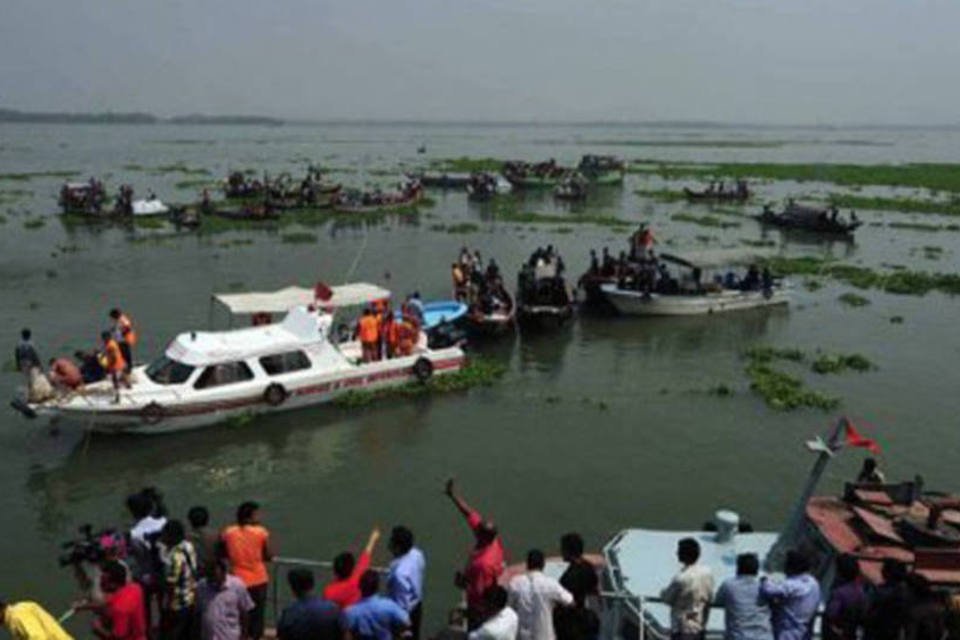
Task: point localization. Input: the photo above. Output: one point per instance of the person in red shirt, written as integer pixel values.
(345, 590)
(123, 616)
(486, 560)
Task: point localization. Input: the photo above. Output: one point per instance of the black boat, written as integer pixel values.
(544, 301)
(813, 219)
(481, 187)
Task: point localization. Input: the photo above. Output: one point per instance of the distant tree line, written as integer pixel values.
(111, 117)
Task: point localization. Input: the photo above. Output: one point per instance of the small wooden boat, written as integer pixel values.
(601, 170)
(442, 179)
(544, 302)
(484, 186)
(739, 194)
(666, 296)
(541, 175)
(85, 198)
(495, 323)
(251, 213)
(812, 219)
(358, 202)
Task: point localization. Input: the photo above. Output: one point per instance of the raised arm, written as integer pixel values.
(457, 500)
(372, 541)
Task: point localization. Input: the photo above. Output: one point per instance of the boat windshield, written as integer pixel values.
(167, 371)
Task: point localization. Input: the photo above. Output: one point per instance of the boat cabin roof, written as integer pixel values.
(345, 295)
(300, 328)
(877, 522)
(641, 562)
(717, 258)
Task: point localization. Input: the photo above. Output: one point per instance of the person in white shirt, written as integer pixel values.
(689, 594)
(501, 621)
(533, 595)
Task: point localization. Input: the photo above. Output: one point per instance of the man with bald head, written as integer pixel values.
(485, 565)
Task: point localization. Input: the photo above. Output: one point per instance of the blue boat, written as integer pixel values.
(440, 312)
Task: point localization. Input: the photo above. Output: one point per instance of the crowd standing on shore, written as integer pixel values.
(161, 580)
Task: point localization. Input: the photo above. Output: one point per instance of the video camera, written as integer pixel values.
(92, 547)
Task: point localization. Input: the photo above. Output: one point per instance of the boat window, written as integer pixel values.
(285, 362)
(167, 371)
(222, 374)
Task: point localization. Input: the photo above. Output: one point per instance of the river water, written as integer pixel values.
(604, 426)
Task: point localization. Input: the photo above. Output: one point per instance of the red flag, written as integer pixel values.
(322, 292)
(854, 439)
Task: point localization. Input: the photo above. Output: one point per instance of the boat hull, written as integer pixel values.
(541, 318)
(134, 417)
(635, 303)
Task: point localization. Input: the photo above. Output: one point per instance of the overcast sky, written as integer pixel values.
(781, 61)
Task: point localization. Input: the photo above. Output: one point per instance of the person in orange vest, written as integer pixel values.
(391, 335)
(125, 335)
(369, 333)
(407, 336)
(113, 362)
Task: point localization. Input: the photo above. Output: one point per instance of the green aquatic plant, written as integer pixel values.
(465, 164)
(149, 222)
(179, 167)
(758, 243)
(34, 223)
(199, 183)
(941, 176)
(921, 226)
(853, 300)
(763, 354)
(838, 363)
(23, 177)
(784, 392)
(704, 220)
(463, 227)
(478, 372)
(661, 195)
(899, 204)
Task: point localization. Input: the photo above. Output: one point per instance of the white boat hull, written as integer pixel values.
(636, 303)
(96, 411)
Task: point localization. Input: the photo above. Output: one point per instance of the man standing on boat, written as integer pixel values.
(486, 560)
(794, 600)
(689, 594)
(534, 595)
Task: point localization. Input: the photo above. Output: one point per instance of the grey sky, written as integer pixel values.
(790, 61)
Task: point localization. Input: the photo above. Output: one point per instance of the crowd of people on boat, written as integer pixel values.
(111, 358)
(541, 280)
(515, 169)
(480, 287)
(83, 197)
(720, 189)
(407, 192)
(384, 333)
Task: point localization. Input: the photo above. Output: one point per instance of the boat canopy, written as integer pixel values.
(301, 327)
(346, 295)
(718, 257)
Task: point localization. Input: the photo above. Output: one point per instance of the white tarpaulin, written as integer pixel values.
(346, 295)
(149, 208)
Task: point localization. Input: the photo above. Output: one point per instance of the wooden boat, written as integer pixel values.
(206, 377)
(86, 198)
(541, 175)
(251, 213)
(358, 202)
(544, 302)
(484, 186)
(494, 321)
(740, 194)
(689, 297)
(602, 170)
(442, 179)
(812, 219)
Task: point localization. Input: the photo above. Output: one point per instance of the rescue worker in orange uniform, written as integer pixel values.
(125, 335)
(113, 362)
(368, 330)
(409, 332)
(391, 335)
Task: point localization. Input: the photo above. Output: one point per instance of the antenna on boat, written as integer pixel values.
(792, 530)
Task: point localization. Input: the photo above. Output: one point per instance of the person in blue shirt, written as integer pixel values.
(405, 576)
(746, 615)
(794, 600)
(310, 617)
(374, 617)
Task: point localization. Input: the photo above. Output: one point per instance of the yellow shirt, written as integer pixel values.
(29, 621)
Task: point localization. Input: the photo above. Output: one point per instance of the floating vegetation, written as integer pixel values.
(784, 392)
(758, 243)
(939, 176)
(853, 300)
(3, 219)
(179, 167)
(714, 144)
(911, 205)
(149, 222)
(34, 223)
(763, 354)
(22, 177)
(462, 227)
(838, 363)
(466, 164)
(478, 372)
(563, 230)
(901, 282)
(932, 252)
(921, 226)
(198, 183)
(661, 195)
(507, 212)
(721, 390)
(704, 220)
(896, 320)
(299, 238)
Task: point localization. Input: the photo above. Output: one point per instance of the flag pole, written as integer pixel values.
(794, 526)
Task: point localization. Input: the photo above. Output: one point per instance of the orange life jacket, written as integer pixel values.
(369, 329)
(114, 357)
